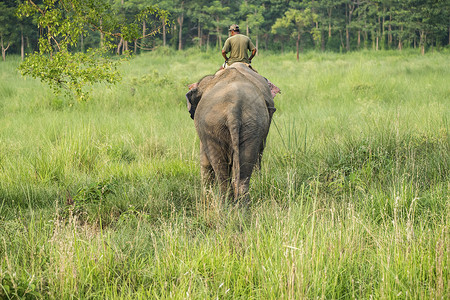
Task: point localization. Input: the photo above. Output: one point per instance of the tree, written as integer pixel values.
(297, 22)
(253, 15)
(215, 12)
(128, 9)
(350, 6)
(199, 18)
(180, 20)
(367, 23)
(401, 22)
(8, 29)
(429, 17)
(340, 24)
(61, 23)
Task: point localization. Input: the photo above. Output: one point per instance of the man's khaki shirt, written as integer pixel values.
(238, 45)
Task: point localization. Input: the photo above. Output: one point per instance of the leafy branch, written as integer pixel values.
(61, 23)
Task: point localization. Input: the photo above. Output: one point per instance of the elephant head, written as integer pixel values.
(192, 99)
(195, 93)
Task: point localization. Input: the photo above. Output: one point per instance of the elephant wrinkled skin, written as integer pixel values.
(232, 112)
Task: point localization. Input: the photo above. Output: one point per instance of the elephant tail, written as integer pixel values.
(234, 128)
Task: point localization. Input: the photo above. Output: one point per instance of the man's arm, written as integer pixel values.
(224, 54)
(253, 54)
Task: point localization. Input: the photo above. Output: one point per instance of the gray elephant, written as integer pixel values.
(232, 112)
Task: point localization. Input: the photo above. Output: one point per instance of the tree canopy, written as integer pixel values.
(339, 25)
(70, 43)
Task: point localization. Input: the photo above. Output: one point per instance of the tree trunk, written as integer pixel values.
(365, 37)
(347, 39)
(329, 22)
(22, 46)
(422, 41)
(380, 30)
(82, 43)
(297, 45)
(383, 33)
(199, 34)
(180, 20)
(125, 46)
(322, 41)
(135, 46)
(248, 31)
(4, 49)
(164, 32)
(101, 34)
(359, 39)
(3, 52)
(219, 36)
(348, 12)
(374, 38)
(390, 38)
(144, 31)
(400, 43)
(119, 46)
(316, 43)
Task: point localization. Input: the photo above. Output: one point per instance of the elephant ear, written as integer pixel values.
(192, 98)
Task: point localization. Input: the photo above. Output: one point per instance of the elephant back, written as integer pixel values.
(257, 80)
(237, 84)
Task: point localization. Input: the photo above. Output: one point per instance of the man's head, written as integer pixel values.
(234, 29)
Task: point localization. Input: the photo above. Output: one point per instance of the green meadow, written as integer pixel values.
(102, 199)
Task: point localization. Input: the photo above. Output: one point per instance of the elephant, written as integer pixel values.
(232, 112)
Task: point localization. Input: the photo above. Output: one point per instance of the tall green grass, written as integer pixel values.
(102, 199)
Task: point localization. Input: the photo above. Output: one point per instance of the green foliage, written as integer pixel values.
(297, 22)
(71, 72)
(61, 24)
(8, 28)
(88, 196)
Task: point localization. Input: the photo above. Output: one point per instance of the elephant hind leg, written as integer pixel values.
(243, 188)
(250, 157)
(260, 155)
(207, 171)
(222, 170)
(219, 174)
(215, 166)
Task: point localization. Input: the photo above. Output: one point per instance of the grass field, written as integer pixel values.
(102, 199)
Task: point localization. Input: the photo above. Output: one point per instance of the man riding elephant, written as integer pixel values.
(238, 46)
(232, 111)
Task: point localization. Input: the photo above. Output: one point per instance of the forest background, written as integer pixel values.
(279, 25)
